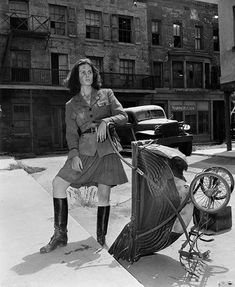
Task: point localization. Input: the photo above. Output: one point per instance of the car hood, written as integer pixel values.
(155, 122)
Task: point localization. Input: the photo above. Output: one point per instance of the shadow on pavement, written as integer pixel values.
(162, 270)
(77, 255)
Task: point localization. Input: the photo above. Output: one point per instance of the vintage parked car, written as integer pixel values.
(150, 122)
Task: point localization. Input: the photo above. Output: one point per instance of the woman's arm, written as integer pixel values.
(72, 138)
(118, 115)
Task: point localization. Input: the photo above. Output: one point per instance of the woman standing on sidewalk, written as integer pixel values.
(91, 159)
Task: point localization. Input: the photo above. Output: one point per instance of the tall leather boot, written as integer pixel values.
(59, 237)
(102, 223)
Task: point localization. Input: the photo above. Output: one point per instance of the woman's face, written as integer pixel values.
(85, 75)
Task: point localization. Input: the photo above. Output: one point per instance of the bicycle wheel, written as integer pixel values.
(225, 173)
(209, 192)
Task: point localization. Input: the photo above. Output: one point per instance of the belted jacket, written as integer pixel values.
(80, 117)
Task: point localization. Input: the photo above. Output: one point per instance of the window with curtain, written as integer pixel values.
(156, 35)
(194, 75)
(198, 37)
(177, 35)
(93, 25)
(216, 38)
(178, 74)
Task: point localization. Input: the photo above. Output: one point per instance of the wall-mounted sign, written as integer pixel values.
(180, 108)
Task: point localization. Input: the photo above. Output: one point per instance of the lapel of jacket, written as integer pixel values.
(94, 97)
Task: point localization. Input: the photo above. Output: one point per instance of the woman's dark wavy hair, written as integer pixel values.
(72, 81)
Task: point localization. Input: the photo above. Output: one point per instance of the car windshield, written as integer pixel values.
(150, 114)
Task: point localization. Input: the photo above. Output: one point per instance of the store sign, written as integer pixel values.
(180, 108)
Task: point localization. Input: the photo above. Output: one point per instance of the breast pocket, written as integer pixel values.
(80, 117)
(103, 110)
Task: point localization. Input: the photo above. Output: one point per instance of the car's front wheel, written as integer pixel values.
(186, 148)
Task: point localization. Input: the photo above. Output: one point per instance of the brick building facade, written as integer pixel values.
(160, 52)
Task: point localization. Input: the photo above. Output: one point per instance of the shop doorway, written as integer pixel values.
(58, 128)
(218, 121)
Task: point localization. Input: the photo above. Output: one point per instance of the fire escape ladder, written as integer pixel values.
(7, 48)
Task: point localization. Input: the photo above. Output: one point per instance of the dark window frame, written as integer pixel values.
(20, 65)
(127, 72)
(216, 45)
(93, 20)
(178, 74)
(194, 76)
(125, 27)
(19, 20)
(177, 35)
(156, 32)
(199, 37)
(233, 27)
(22, 121)
(158, 74)
(98, 62)
(58, 19)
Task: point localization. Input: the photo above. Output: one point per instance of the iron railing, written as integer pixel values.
(55, 77)
(23, 22)
(12, 75)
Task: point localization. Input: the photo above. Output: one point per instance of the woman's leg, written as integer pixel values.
(60, 215)
(103, 212)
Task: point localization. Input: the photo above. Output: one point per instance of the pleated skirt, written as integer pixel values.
(107, 170)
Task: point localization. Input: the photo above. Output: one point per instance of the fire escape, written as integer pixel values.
(13, 25)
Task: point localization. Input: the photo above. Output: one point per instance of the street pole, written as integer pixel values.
(227, 100)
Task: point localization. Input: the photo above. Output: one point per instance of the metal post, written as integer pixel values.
(227, 100)
(31, 120)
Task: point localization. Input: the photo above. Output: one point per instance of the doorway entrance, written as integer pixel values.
(218, 121)
(58, 128)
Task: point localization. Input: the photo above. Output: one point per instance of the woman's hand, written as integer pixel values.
(101, 132)
(77, 163)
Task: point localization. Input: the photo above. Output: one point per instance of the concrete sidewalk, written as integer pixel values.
(219, 152)
(26, 221)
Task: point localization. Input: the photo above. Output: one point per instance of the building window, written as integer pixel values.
(126, 70)
(215, 77)
(203, 120)
(124, 28)
(177, 35)
(194, 75)
(20, 66)
(178, 74)
(59, 68)
(98, 62)
(234, 25)
(93, 25)
(157, 74)
(196, 114)
(203, 117)
(57, 19)
(216, 38)
(21, 119)
(19, 17)
(156, 32)
(198, 37)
